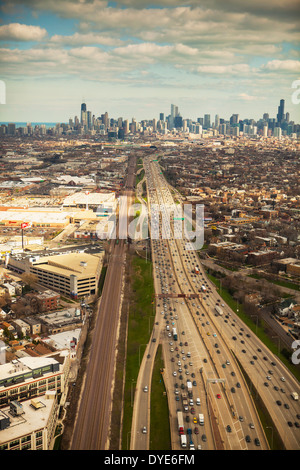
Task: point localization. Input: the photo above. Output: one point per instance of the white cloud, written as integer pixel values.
(246, 97)
(282, 66)
(224, 69)
(79, 39)
(22, 32)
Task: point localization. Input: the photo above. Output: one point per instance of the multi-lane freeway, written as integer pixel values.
(207, 351)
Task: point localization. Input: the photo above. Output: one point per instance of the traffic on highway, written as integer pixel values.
(207, 351)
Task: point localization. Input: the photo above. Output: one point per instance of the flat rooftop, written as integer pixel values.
(33, 418)
(80, 264)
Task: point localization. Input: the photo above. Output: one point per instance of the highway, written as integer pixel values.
(214, 343)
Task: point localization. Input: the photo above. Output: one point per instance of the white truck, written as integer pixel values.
(218, 310)
(190, 388)
(180, 422)
(201, 419)
(183, 440)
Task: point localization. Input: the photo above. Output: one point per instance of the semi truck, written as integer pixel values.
(180, 422)
(190, 388)
(218, 310)
(174, 334)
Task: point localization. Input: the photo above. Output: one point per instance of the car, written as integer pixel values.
(175, 373)
(204, 439)
(251, 425)
(194, 383)
(192, 410)
(146, 388)
(266, 384)
(195, 420)
(187, 418)
(248, 438)
(228, 428)
(278, 402)
(282, 379)
(218, 396)
(232, 390)
(238, 385)
(287, 406)
(144, 430)
(154, 340)
(196, 430)
(290, 424)
(256, 441)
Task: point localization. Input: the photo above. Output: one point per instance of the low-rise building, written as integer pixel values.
(29, 425)
(29, 377)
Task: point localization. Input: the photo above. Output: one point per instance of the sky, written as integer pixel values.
(134, 58)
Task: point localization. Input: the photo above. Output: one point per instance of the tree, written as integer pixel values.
(29, 279)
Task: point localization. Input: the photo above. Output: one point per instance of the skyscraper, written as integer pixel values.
(280, 114)
(83, 117)
(217, 121)
(206, 121)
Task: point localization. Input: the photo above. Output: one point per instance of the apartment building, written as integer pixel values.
(30, 377)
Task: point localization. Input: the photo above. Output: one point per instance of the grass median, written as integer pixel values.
(140, 323)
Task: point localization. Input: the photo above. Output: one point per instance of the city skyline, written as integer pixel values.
(133, 58)
(206, 119)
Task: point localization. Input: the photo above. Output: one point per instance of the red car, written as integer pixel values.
(218, 395)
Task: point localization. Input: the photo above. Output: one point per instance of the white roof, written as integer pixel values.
(91, 198)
